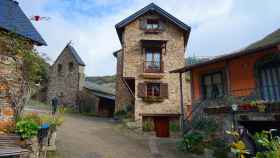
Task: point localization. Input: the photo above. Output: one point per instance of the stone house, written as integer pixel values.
(12, 84)
(66, 77)
(241, 88)
(153, 43)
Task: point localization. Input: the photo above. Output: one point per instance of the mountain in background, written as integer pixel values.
(107, 82)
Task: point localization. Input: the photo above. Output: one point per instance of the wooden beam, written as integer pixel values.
(127, 86)
(182, 102)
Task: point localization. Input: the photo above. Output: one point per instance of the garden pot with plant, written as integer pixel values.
(260, 105)
(53, 122)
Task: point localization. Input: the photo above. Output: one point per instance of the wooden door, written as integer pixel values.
(162, 126)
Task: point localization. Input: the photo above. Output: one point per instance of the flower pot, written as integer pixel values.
(261, 107)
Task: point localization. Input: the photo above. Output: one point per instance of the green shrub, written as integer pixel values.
(53, 121)
(192, 142)
(220, 147)
(174, 127)
(34, 117)
(121, 114)
(27, 128)
(148, 126)
(205, 124)
(265, 140)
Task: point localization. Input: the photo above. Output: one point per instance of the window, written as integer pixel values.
(153, 90)
(212, 85)
(152, 24)
(269, 81)
(70, 66)
(148, 90)
(152, 60)
(59, 68)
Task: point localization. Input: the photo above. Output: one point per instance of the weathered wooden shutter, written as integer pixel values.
(142, 90)
(164, 90)
(161, 65)
(143, 23)
(161, 25)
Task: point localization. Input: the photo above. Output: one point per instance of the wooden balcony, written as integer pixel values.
(152, 70)
(265, 99)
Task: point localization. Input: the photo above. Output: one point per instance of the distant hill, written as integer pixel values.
(196, 60)
(101, 79)
(108, 82)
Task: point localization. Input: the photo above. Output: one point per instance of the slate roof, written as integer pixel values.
(151, 7)
(13, 19)
(76, 56)
(100, 90)
(269, 41)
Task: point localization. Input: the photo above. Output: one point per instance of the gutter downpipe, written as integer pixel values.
(182, 105)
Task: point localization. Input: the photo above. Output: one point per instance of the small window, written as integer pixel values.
(71, 66)
(152, 24)
(153, 89)
(212, 85)
(59, 68)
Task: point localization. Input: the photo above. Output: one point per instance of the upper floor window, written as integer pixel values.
(152, 24)
(153, 60)
(59, 68)
(212, 85)
(269, 78)
(71, 66)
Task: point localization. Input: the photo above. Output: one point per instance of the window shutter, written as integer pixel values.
(164, 90)
(161, 25)
(141, 90)
(143, 23)
(161, 65)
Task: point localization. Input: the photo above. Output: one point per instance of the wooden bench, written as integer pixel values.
(9, 146)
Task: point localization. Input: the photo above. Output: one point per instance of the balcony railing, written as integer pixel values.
(266, 93)
(153, 66)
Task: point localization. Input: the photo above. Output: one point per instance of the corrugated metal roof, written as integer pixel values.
(269, 41)
(13, 19)
(151, 7)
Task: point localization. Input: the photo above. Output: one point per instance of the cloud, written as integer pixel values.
(218, 26)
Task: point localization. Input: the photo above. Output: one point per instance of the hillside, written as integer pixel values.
(108, 82)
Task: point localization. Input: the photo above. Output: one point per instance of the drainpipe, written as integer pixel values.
(182, 104)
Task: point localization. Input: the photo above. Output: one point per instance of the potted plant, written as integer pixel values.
(260, 105)
(53, 122)
(27, 128)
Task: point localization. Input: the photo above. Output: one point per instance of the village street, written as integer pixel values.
(92, 137)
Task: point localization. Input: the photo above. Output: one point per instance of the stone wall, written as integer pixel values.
(173, 58)
(123, 97)
(67, 83)
(11, 86)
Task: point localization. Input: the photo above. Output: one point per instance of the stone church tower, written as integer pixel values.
(66, 77)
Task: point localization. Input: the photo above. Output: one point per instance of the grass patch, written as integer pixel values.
(36, 103)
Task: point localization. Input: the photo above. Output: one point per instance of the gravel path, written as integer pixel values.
(91, 137)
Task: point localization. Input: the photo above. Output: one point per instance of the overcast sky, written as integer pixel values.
(218, 26)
